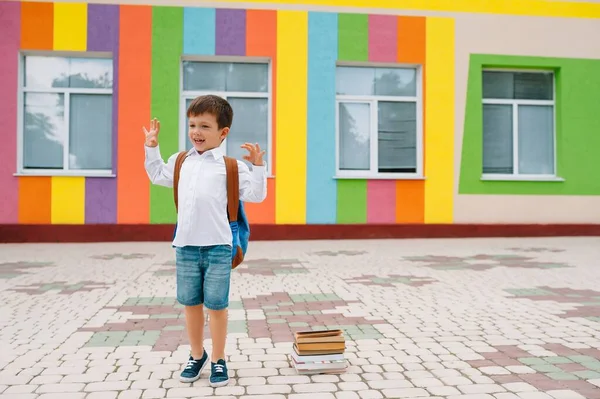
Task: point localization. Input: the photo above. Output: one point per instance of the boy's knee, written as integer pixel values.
(194, 308)
(217, 311)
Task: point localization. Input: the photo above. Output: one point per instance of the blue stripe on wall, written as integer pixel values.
(199, 31)
(321, 190)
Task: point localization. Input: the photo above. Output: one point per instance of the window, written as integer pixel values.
(246, 86)
(66, 123)
(378, 122)
(518, 124)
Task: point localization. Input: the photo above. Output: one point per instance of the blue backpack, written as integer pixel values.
(240, 229)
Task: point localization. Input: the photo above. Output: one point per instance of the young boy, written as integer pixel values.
(203, 240)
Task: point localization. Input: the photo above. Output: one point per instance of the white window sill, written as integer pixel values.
(58, 173)
(390, 176)
(492, 177)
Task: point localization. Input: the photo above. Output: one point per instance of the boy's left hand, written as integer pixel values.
(255, 156)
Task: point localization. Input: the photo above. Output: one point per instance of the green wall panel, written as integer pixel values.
(577, 128)
(167, 47)
(352, 201)
(353, 37)
(353, 45)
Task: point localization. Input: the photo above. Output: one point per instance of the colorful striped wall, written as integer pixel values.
(148, 42)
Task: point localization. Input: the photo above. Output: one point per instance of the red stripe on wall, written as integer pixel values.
(381, 194)
(410, 194)
(261, 41)
(10, 31)
(135, 60)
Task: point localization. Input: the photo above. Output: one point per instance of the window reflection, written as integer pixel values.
(56, 72)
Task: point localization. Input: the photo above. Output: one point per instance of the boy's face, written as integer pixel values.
(204, 132)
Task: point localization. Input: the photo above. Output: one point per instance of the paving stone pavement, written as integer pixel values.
(453, 319)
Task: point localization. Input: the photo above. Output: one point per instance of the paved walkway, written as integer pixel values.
(456, 319)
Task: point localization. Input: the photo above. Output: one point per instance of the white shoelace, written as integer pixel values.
(190, 364)
(219, 368)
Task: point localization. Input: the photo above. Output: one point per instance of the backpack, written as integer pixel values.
(240, 229)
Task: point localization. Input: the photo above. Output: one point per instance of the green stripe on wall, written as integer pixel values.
(352, 201)
(353, 37)
(167, 47)
(577, 123)
(353, 45)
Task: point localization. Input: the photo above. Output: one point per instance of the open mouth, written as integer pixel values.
(198, 141)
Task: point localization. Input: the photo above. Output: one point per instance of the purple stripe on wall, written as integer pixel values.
(103, 35)
(230, 32)
(10, 32)
(100, 200)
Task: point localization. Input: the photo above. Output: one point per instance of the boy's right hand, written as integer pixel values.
(152, 135)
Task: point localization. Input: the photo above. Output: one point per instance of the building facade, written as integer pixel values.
(421, 115)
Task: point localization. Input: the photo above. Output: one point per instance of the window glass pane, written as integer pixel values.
(250, 125)
(355, 80)
(367, 81)
(355, 141)
(90, 136)
(518, 85)
(397, 139)
(498, 85)
(203, 76)
(536, 139)
(534, 86)
(395, 82)
(47, 72)
(497, 139)
(188, 142)
(218, 76)
(248, 77)
(43, 131)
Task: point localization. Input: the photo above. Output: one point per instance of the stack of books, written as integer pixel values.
(319, 352)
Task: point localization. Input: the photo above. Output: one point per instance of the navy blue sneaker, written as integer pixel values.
(218, 374)
(194, 367)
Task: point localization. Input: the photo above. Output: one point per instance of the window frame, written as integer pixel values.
(373, 100)
(191, 94)
(67, 91)
(515, 103)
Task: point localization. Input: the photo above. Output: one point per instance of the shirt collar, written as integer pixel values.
(216, 153)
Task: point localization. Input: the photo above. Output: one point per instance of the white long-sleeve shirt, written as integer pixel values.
(202, 215)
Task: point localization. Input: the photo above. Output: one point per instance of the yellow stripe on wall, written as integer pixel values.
(439, 121)
(292, 65)
(68, 200)
(541, 8)
(70, 26)
(68, 193)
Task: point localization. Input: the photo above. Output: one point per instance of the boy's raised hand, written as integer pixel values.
(255, 155)
(152, 135)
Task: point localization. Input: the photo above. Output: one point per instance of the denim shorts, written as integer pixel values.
(203, 276)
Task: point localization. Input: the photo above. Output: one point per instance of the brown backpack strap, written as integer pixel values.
(233, 188)
(178, 164)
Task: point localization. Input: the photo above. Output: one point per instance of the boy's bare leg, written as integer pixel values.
(218, 333)
(194, 321)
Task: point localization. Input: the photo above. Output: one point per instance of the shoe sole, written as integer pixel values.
(196, 378)
(218, 384)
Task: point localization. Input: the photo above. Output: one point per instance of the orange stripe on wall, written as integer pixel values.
(410, 194)
(261, 41)
(135, 60)
(37, 31)
(410, 201)
(34, 200)
(411, 40)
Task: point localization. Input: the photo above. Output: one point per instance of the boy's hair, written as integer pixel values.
(214, 105)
